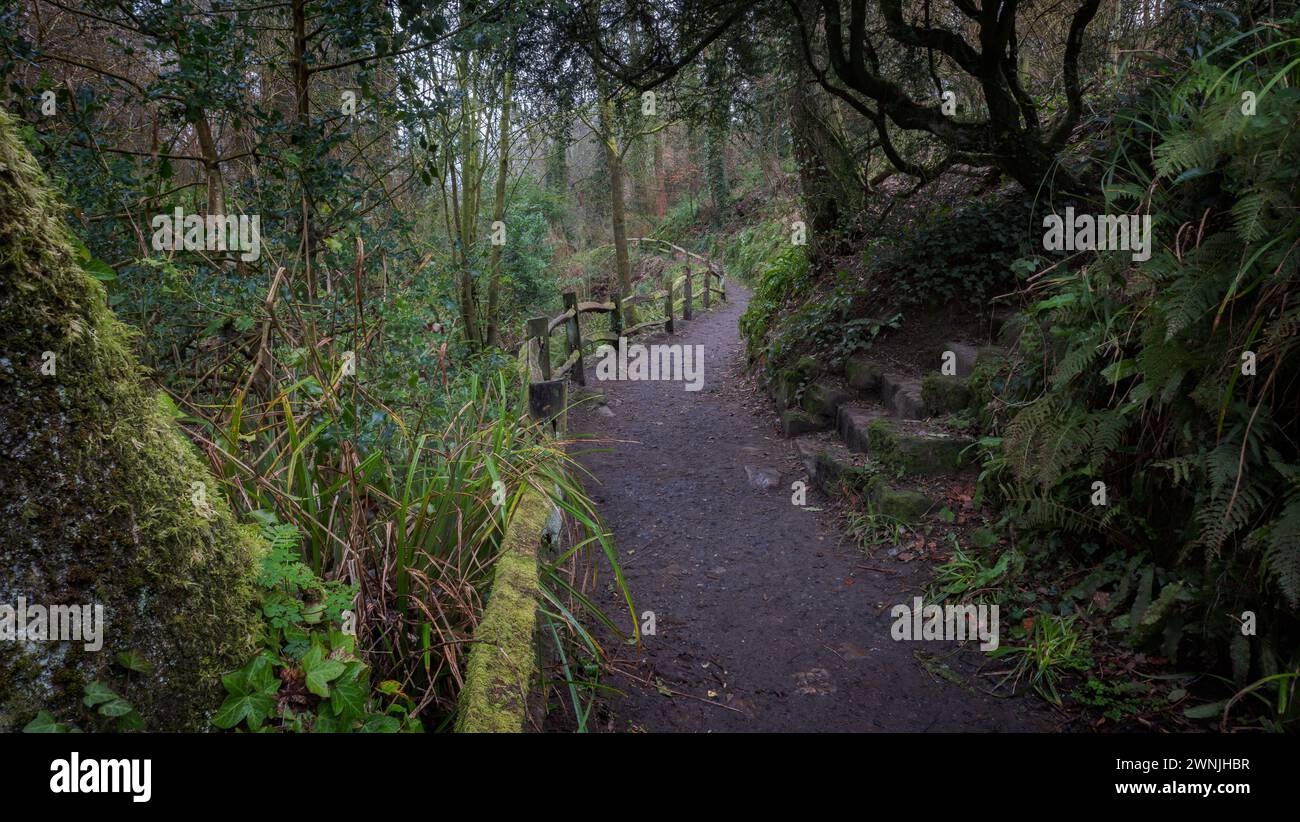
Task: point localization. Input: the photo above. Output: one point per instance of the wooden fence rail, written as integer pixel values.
(547, 392)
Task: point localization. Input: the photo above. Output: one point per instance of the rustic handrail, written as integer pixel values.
(547, 387)
(712, 265)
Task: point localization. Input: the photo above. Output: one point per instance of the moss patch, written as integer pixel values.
(794, 423)
(900, 504)
(503, 660)
(823, 400)
(943, 394)
(913, 453)
(96, 493)
(863, 374)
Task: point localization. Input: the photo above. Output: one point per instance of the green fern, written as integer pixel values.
(1282, 554)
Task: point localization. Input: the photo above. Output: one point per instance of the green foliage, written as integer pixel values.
(958, 255)
(1144, 364)
(1055, 646)
(966, 574)
(107, 710)
(785, 276)
(294, 594)
(872, 530)
(307, 677)
(1118, 700)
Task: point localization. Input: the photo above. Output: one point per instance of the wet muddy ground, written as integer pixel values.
(767, 618)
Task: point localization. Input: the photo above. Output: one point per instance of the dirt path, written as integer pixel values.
(767, 618)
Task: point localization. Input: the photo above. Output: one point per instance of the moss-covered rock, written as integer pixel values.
(831, 466)
(98, 491)
(943, 394)
(822, 400)
(785, 388)
(808, 368)
(795, 422)
(863, 374)
(913, 452)
(899, 503)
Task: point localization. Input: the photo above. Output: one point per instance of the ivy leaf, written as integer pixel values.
(326, 724)
(116, 707)
(134, 660)
(131, 722)
(252, 694)
(100, 270)
(44, 724)
(320, 671)
(348, 694)
(253, 708)
(381, 724)
(96, 693)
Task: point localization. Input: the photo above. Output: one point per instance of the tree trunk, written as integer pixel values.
(499, 213)
(211, 164)
(617, 212)
(302, 125)
(660, 175)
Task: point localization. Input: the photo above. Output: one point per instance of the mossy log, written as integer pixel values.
(503, 660)
(99, 492)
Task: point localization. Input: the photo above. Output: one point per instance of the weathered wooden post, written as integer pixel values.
(573, 335)
(688, 310)
(708, 294)
(538, 329)
(668, 302)
(546, 399)
(616, 316)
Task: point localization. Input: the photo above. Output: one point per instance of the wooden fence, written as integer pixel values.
(547, 385)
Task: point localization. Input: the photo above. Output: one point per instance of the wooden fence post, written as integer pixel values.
(688, 311)
(708, 295)
(546, 399)
(668, 302)
(538, 329)
(573, 335)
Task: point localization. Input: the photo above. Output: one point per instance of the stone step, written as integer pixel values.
(968, 357)
(902, 396)
(831, 466)
(944, 395)
(828, 462)
(852, 424)
(824, 400)
(964, 354)
(902, 504)
(795, 422)
(863, 374)
(913, 447)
